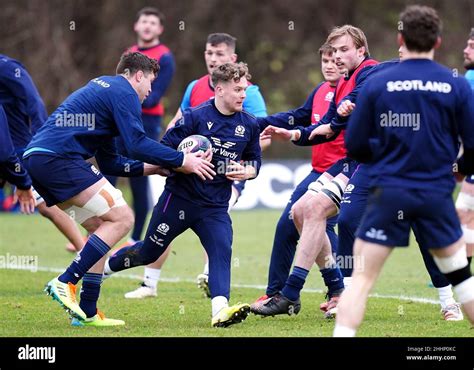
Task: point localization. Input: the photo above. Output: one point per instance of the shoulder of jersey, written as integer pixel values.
(251, 119)
(201, 106)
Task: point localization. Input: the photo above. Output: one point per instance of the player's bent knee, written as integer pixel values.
(106, 199)
(457, 270)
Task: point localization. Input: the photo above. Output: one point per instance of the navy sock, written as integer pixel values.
(333, 279)
(132, 256)
(295, 283)
(92, 252)
(90, 293)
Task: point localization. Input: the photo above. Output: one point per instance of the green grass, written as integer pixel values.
(180, 309)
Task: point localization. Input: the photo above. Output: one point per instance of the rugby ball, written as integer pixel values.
(194, 143)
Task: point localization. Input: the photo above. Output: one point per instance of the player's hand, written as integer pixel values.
(208, 155)
(345, 108)
(151, 169)
(265, 143)
(321, 130)
(237, 172)
(196, 163)
(26, 200)
(272, 132)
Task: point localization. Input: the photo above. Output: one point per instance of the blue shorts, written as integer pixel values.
(346, 166)
(470, 179)
(58, 179)
(391, 212)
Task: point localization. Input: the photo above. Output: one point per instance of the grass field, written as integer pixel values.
(181, 310)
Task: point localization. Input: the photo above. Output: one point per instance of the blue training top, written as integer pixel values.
(407, 123)
(85, 125)
(233, 137)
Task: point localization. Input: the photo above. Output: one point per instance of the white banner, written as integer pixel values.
(271, 189)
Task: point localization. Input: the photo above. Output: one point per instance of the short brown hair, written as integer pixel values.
(149, 10)
(356, 34)
(230, 71)
(134, 62)
(420, 27)
(326, 49)
(471, 34)
(221, 38)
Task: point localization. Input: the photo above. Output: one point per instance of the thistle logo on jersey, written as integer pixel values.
(240, 131)
(163, 228)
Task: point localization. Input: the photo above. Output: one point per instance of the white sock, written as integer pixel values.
(151, 277)
(107, 270)
(218, 303)
(343, 331)
(347, 281)
(206, 269)
(446, 296)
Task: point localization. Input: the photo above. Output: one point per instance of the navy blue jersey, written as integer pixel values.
(21, 101)
(233, 137)
(85, 125)
(407, 123)
(10, 165)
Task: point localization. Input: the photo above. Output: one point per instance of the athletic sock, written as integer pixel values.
(333, 279)
(151, 277)
(218, 303)
(90, 291)
(295, 283)
(92, 252)
(446, 296)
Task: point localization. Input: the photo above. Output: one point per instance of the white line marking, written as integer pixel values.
(245, 286)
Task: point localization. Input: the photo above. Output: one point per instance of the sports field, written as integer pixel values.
(403, 303)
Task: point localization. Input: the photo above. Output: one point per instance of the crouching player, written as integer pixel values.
(106, 107)
(188, 202)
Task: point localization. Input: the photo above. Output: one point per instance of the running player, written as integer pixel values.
(190, 203)
(323, 157)
(85, 125)
(220, 49)
(322, 200)
(411, 186)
